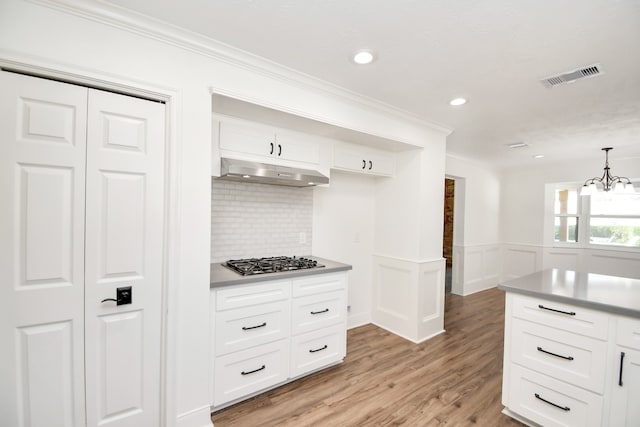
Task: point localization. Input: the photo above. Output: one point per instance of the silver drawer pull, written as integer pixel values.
(254, 371)
(321, 311)
(554, 354)
(564, 408)
(570, 313)
(319, 349)
(246, 328)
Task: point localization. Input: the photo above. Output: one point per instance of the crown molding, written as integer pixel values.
(142, 25)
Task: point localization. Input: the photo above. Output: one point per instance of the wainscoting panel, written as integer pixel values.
(520, 260)
(408, 297)
(476, 268)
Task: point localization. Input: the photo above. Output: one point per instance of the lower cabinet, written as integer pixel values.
(566, 365)
(268, 333)
(625, 407)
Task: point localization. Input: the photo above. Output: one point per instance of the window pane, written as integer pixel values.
(615, 231)
(566, 202)
(566, 229)
(615, 204)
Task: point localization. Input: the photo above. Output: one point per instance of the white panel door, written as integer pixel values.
(124, 247)
(42, 173)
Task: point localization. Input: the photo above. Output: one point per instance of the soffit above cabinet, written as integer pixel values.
(256, 113)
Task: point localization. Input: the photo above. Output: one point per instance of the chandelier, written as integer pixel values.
(607, 181)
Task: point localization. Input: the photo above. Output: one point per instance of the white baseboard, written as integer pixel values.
(359, 319)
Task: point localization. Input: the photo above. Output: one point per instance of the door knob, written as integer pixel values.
(123, 296)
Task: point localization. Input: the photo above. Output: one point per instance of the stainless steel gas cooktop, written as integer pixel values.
(278, 264)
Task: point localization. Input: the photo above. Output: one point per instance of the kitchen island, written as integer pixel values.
(271, 328)
(572, 349)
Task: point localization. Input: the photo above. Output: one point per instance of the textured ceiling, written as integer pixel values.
(493, 52)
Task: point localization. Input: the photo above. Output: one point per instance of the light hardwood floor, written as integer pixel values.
(453, 379)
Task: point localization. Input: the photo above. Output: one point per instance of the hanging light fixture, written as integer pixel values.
(607, 180)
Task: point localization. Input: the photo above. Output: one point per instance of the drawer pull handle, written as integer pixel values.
(564, 408)
(319, 349)
(321, 311)
(570, 313)
(246, 328)
(254, 371)
(621, 365)
(554, 354)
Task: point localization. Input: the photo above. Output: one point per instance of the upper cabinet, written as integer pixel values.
(362, 159)
(263, 143)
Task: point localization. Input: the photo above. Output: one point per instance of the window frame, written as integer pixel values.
(583, 217)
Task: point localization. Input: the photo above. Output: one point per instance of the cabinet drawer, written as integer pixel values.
(576, 359)
(253, 294)
(311, 285)
(239, 374)
(535, 397)
(251, 326)
(563, 316)
(317, 349)
(318, 311)
(628, 332)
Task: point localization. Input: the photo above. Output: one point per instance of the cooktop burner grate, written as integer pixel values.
(251, 266)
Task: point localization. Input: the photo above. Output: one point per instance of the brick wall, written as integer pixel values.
(447, 242)
(259, 220)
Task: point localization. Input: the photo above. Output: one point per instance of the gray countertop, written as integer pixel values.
(613, 294)
(222, 276)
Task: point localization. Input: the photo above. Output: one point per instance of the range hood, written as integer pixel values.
(245, 171)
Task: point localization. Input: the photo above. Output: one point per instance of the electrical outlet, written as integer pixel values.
(303, 237)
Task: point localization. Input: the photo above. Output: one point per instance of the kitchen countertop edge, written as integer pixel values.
(622, 297)
(221, 276)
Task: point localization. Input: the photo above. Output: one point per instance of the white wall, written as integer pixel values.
(100, 42)
(343, 230)
(526, 247)
(476, 246)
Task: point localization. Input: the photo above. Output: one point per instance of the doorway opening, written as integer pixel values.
(447, 237)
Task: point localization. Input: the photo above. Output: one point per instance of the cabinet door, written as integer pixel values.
(349, 158)
(256, 141)
(297, 147)
(625, 410)
(380, 162)
(42, 170)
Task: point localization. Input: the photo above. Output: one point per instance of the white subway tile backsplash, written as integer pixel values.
(258, 220)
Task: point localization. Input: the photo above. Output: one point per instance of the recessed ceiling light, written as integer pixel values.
(246, 176)
(363, 56)
(538, 156)
(457, 101)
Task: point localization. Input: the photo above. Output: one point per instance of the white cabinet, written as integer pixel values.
(319, 322)
(555, 362)
(261, 143)
(268, 333)
(361, 159)
(566, 365)
(625, 410)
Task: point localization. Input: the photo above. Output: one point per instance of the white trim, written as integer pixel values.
(124, 19)
(357, 320)
(411, 260)
(170, 274)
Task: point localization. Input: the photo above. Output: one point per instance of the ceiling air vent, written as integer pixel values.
(572, 76)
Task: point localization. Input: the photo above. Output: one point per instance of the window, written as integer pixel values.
(566, 215)
(614, 219)
(602, 219)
